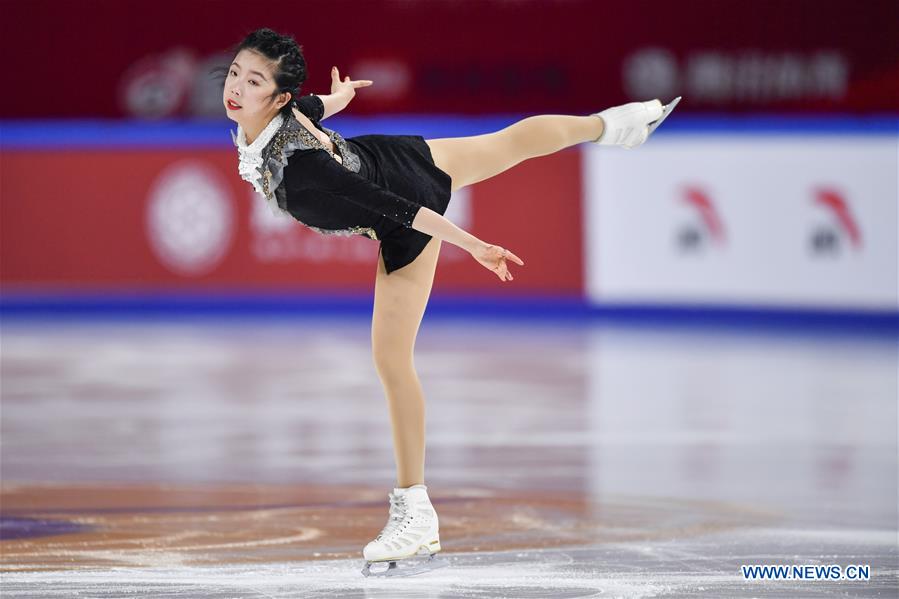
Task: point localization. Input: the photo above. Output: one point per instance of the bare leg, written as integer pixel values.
(468, 160)
(400, 301)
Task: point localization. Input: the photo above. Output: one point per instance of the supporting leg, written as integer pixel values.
(400, 301)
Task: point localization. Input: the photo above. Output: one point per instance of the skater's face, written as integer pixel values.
(248, 91)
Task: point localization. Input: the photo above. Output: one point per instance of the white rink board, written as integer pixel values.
(752, 219)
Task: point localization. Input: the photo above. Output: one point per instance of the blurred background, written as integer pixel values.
(774, 186)
(765, 206)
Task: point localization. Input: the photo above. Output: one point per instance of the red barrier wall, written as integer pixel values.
(144, 220)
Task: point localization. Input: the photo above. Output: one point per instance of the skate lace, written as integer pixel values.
(397, 515)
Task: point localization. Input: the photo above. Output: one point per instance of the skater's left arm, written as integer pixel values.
(342, 92)
(492, 257)
(434, 224)
(315, 172)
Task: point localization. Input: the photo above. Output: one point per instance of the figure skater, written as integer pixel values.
(393, 189)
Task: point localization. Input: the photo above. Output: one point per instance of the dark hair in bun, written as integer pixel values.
(288, 64)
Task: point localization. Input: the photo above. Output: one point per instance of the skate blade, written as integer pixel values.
(665, 112)
(393, 569)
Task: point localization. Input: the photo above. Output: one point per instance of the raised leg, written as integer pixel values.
(400, 301)
(468, 160)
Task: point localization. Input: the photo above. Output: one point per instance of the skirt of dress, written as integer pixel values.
(404, 165)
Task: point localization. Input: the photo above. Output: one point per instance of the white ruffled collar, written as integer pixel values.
(240, 139)
(251, 154)
(251, 161)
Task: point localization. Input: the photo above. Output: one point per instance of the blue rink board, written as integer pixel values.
(46, 134)
(535, 308)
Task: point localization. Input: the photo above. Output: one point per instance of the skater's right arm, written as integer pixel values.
(342, 93)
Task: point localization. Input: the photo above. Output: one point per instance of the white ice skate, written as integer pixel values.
(629, 125)
(412, 529)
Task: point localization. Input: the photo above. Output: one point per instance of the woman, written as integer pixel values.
(393, 189)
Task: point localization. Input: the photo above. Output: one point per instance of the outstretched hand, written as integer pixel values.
(346, 87)
(493, 258)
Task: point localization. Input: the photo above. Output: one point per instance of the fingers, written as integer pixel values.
(508, 255)
(503, 274)
(501, 269)
(335, 74)
(360, 83)
(514, 258)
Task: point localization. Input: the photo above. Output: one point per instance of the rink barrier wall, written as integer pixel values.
(567, 304)
(554, 310)
(764, 218)
(167, 133)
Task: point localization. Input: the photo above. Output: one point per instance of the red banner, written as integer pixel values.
(152, 59)
(148, 219)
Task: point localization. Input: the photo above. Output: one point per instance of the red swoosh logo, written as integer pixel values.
(840, 208)
(699, 200)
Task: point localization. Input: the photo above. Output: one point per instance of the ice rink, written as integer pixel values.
(252, 458)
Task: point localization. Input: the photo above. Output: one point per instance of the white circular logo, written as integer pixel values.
(650, 73)
(190, 218)
(156, 86)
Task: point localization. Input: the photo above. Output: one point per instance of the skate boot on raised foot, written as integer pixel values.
(412, 529)
(629, 125)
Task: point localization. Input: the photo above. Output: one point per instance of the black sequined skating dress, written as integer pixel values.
(375, 191)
